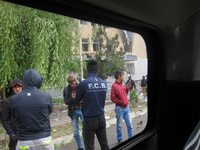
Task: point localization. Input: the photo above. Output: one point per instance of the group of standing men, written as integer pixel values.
(87, 100)
(25, 115)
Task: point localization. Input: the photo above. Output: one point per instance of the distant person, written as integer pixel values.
(147, 84)
(8, 120)
(119, 97)
(31, 109)
(74, 110)
(143, 85)
(93, 91)
(132, 83)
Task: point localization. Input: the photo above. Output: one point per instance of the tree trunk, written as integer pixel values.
(4, 92)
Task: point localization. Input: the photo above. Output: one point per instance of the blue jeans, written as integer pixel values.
(77, 114)
(123, 113)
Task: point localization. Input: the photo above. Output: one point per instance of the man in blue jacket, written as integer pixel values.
(93, 91)
(31, 109)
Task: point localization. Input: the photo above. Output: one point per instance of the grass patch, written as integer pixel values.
(72, 140)
(2, 131)
(63, 130)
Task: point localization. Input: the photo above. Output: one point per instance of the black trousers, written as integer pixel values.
(92, 127)
(13, 142)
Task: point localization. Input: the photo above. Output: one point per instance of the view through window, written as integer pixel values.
(49, 43)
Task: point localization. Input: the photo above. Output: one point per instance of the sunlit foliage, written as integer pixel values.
(34, 39)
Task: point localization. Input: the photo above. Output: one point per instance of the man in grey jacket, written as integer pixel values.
(31, 109)
(8, 120)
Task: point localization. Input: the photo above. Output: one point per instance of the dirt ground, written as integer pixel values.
(59, 115)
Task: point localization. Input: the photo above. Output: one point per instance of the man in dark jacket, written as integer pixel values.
(132, 83)
(74, 110)
(8, 120)
(31, 109)
(143, 85)
(93, 91)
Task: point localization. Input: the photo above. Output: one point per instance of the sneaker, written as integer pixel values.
(80, 148)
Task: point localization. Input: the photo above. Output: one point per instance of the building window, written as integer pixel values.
(85, 45)
(83, 22)
(95, 45)
(130, 68)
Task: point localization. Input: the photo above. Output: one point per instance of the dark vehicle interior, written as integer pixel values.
(171, 30)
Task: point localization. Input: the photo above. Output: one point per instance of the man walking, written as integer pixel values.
(31, 109)
(93, 91)
(8, 120)
(74, 110)
(119, 97)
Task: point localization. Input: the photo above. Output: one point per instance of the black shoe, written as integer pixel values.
(80, 148)
(119, 142)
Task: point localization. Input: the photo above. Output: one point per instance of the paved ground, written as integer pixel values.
(111, 132)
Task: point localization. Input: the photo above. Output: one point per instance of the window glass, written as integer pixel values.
(85, 45)
(95, 45)
(47, 45)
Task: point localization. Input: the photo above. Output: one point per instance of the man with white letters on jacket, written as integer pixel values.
(31, 109)
(93, 92)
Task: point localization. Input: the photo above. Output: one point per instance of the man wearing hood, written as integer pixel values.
(8, 120)
(31, 109)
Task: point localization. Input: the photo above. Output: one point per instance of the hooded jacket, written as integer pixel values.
(8, 120)
(31, 108)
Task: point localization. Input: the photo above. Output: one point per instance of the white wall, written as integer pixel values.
(141, 67)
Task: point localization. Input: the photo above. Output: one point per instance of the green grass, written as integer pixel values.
(72, 140)
(2, 131)
(56, 146)
(57, 100)
(63, 130)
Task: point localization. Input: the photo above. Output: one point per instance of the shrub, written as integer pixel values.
(57, 100)
(134, 96)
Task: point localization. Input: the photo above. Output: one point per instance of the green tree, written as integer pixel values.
(31, 38)
(109, 56)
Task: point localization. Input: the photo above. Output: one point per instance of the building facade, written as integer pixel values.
(132, 43)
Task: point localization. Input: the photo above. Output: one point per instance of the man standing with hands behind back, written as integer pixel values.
(119, 97)
(74, 110)
(93, 91)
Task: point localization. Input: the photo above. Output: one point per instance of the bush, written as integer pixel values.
(57, 100)
(134, 96)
